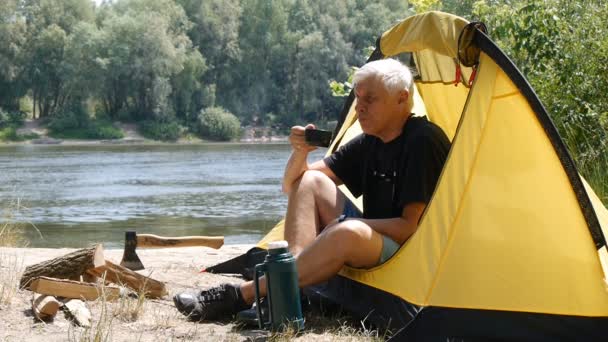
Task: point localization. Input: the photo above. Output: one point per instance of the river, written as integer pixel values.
(72, 196)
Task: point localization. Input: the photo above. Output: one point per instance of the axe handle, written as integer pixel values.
(155, 241)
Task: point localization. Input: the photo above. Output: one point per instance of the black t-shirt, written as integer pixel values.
(391, 175)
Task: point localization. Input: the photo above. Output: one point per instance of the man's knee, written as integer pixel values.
(314, 180)
(355, 243)
(348, 235)
(316, 190)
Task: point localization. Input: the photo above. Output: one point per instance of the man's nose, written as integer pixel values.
(359, 107)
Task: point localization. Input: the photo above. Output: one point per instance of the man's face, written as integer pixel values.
(376, 107)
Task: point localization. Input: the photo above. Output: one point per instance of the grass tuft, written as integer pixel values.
(130, 308)
(11, 231)
(10, 273)
(101, 327)
(335, 325)
(11, 265)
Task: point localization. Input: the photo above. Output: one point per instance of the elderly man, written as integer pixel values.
(394, 164)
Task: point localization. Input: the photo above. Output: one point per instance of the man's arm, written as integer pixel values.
(297, 163)
(399, 228)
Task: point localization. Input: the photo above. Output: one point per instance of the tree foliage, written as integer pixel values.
(216, 123)
(562, 48)
(12, 43)
(266, 61)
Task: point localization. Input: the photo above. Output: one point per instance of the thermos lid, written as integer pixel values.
(278, 244)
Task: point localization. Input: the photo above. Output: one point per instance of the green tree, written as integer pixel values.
(46, 56)
(144, 46)
(12, 43)
(188, 93)
(49, 24)
(262, 32)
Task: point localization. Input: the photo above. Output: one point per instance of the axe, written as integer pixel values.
(131, 261)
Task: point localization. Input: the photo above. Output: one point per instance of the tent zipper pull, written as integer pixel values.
(472, 77)
(458, 74)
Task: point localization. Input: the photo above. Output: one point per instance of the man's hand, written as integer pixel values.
(297, 163)
(298, 141)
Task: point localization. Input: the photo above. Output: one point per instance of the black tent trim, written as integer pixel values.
(389, 313)
(452, 324)
(494, 52)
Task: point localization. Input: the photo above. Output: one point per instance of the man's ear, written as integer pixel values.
(403, 96)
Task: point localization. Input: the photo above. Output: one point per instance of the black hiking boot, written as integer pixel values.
(250, 316)
(217, 303)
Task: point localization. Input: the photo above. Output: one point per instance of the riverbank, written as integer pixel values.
(158, 319)
(33, 128)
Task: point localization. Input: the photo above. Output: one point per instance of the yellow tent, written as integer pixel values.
(512, 243)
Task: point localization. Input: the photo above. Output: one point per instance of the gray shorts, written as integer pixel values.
(389, 246)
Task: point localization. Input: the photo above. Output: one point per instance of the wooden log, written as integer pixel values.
(45, 307)
(69, 266)
(72, 289)
(78, 311)
(121, 275)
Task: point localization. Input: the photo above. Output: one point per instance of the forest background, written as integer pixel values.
(207, 67)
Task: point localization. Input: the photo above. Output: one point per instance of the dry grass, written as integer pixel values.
(111, 317)
(129, 308)
(333, 326)
(11, 266)
(11, 232)
(101, 325)
(10, 272)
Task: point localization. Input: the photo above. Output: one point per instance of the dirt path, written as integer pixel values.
(131, 135)
(33, 126)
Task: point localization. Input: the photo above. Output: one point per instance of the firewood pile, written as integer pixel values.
(69, 281)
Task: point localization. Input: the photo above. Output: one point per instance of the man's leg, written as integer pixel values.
(314, 202)
(350, 243)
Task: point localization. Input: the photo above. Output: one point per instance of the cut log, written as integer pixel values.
(121, 275)
(72, 289)
(69, 266)
(45, 307)
(78, 311)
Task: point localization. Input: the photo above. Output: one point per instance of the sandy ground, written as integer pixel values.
(159, 320)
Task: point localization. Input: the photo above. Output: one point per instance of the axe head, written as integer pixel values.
(130, 259)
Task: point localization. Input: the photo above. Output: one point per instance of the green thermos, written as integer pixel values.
(283, 292)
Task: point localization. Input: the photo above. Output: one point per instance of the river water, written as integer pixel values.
(72, 196)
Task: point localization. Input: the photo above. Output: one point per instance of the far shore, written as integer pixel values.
(136, 142)
(133, 137)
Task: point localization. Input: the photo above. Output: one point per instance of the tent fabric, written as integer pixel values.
(512, 227)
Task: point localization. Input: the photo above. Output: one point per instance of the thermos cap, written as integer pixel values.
(278, 244)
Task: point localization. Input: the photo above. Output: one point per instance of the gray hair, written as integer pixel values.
(394, 76)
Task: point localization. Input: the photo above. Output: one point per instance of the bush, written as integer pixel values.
(68, 120)
(216, 123)
(12, 119)
(165, 130)
(76, 124)
(101, 129)
(9, 134)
